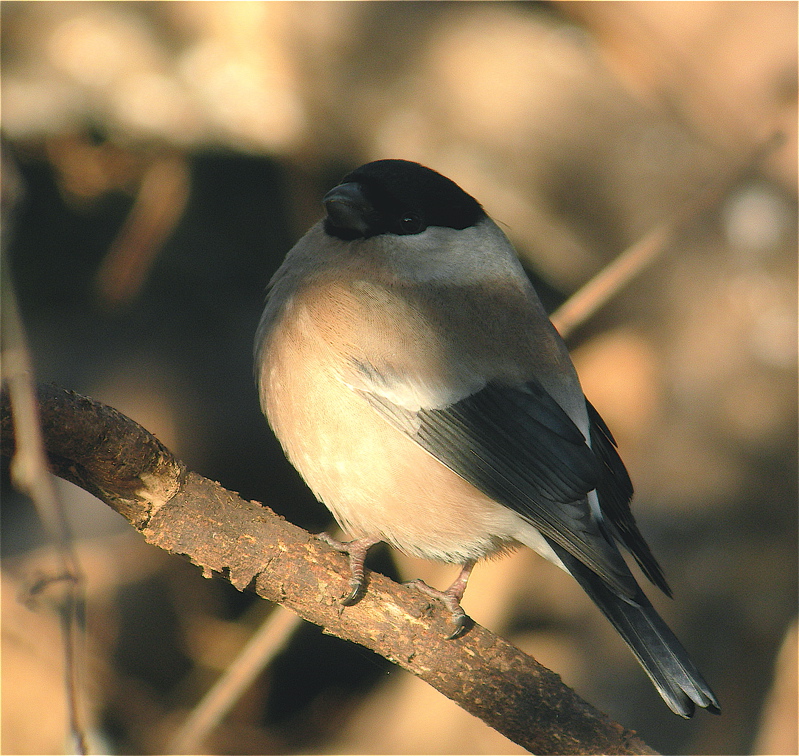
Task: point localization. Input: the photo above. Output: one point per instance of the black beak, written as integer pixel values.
(348, 211)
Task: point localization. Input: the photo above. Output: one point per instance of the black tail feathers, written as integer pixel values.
(657, 649)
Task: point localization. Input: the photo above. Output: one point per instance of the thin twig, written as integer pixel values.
(161, 200)
(611, 279)
(635, 259)
(31, 475)
(270, 638)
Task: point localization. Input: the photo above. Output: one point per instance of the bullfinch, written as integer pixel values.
(413, 378)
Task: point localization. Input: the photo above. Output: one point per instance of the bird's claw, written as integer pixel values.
(356, 551)
(460, 619)
(357, 588)
(463, 622)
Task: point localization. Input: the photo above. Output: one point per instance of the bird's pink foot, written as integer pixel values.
(451, 598)
(356, 550)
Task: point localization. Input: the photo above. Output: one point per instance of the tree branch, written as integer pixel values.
(109, 455)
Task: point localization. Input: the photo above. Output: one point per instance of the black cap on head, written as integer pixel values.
(397, 197)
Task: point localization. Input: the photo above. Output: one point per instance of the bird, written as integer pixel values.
(412, 376)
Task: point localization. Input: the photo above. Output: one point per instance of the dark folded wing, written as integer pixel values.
(615, 491)
(518, 446)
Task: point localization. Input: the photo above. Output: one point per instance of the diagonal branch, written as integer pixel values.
(594, 294)
(118, 461)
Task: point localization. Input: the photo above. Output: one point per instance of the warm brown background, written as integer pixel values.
(159, 160)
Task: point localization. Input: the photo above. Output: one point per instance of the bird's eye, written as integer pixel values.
(411, 223)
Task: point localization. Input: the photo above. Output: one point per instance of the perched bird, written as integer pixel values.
(408, 369)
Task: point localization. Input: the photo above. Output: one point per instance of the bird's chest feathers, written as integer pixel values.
(330, 340)
(372, 338)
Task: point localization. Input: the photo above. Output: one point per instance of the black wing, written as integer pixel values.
(615, 491)
(518, 446)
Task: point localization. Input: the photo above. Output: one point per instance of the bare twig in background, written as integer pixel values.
(635, 259)
(31, 474)
(259, 651)
(612, 278)
(778, 726)
(162, 196)
(108, 454)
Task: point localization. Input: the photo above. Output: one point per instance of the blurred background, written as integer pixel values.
(159, 159)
